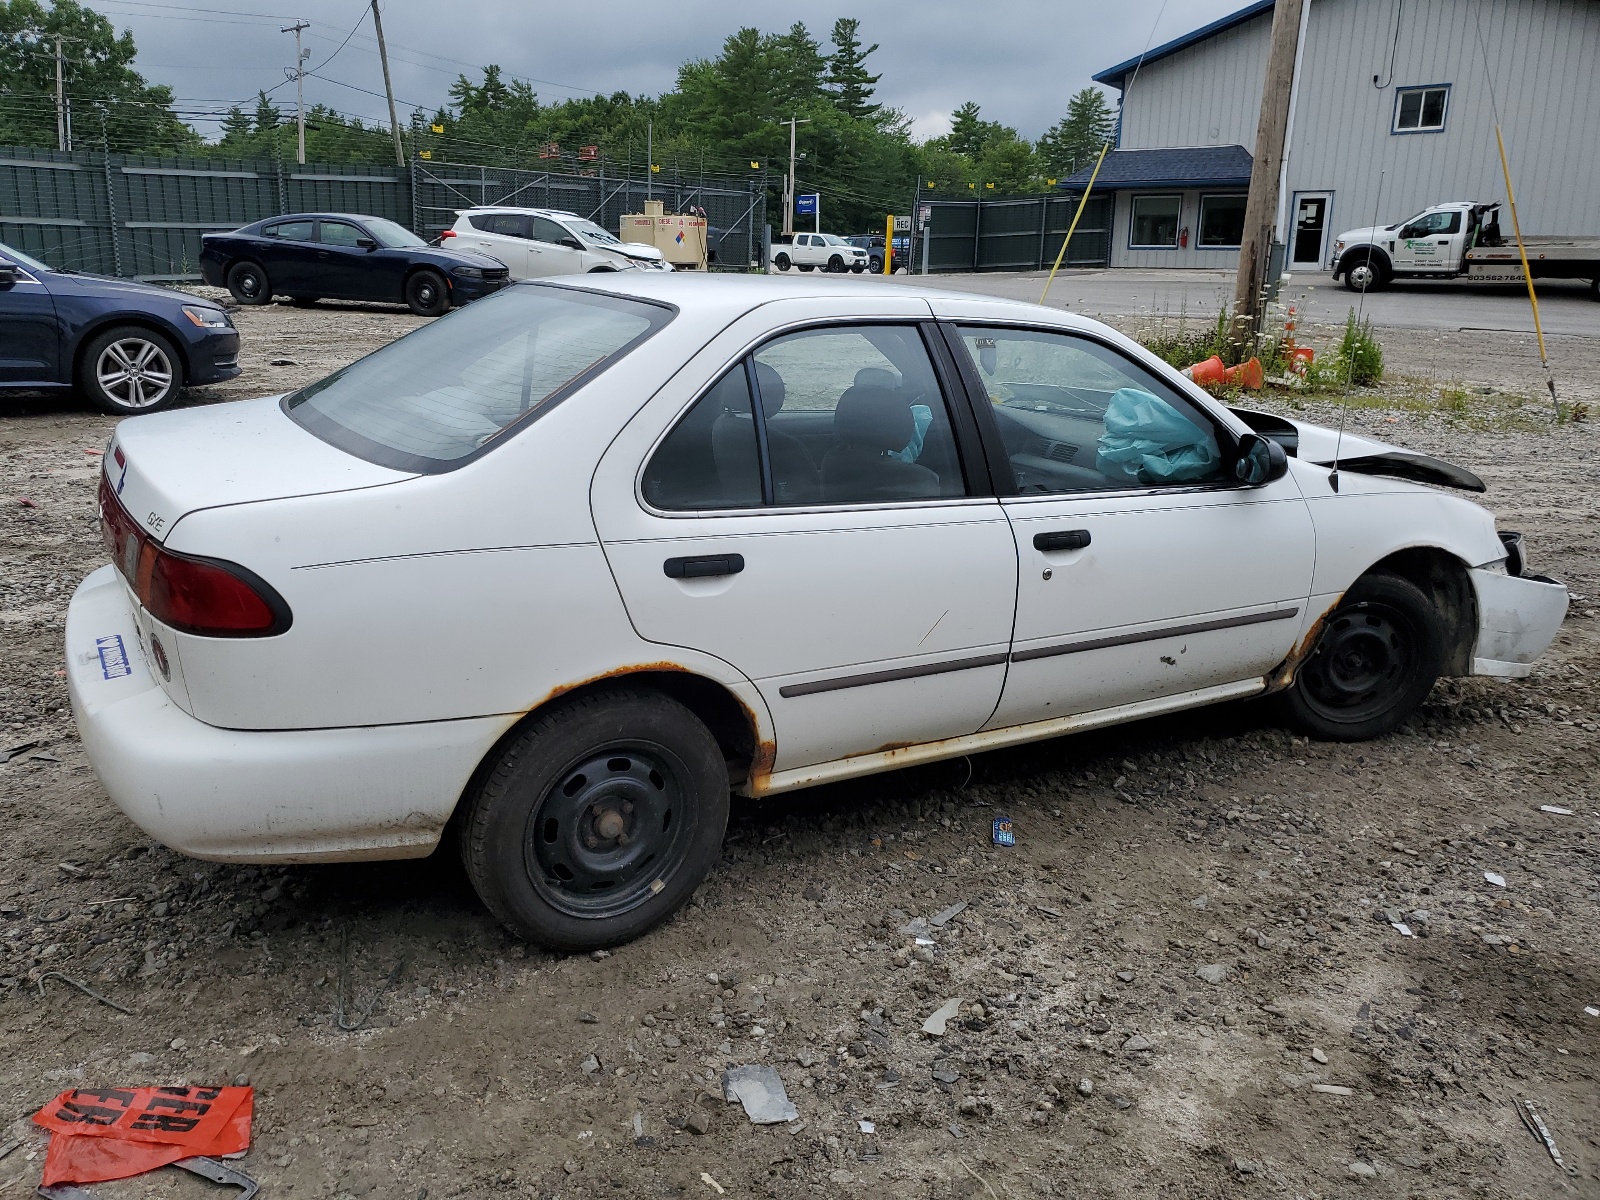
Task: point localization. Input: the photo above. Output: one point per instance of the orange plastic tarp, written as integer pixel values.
(113, 1133)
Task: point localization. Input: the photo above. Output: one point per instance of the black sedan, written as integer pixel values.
(129, 346)
(309, 256)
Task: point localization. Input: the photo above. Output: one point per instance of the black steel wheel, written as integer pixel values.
(836, 265)
(248, 283)
(781, 261)
(598, 820)
(1376, 660)
(129, 369)
(427, 294)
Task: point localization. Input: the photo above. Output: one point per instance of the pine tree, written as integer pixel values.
(971, 135)
(236, 127)
(1074, 142)
(847, 72)
(267, 115)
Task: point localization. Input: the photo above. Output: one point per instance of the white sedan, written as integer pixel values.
(568, 567)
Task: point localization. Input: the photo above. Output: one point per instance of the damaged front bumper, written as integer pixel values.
(1518, 616)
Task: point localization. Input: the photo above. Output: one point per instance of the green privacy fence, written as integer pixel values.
(130, 215)
(1016, 235)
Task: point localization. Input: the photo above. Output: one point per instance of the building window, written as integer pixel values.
(1421, 109)
(1155, 222)
(1221, 222)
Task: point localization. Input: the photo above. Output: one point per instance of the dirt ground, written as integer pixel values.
(1192, 936)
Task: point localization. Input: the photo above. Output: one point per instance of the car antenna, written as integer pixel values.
(1350, 358)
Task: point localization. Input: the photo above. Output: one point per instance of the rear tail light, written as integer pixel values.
(204, 596)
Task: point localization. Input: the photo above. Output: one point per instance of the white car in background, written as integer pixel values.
(572, 564)
(536, 243)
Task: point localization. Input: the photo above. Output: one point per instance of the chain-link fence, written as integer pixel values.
(130, 215)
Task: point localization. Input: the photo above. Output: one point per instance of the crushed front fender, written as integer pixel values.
(1518, 616)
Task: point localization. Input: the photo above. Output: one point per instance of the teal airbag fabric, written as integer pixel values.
(1147, 440)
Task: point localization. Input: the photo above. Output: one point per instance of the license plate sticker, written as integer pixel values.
(113, 654)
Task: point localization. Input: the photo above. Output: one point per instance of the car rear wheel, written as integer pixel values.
(130, 369)
(249, 284)
(1375, 661)
(781, 261)
(598, 820)
(1366, 274)
(427, 295)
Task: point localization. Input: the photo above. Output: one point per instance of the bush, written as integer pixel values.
(1356, 362)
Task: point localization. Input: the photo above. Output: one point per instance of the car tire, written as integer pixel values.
(1594, 288)
(129, 369)
(876, 266)
(427, 294)
(857, 269)
(597, 821)
(836, 265)
(781, 261)
(303, 301)
(248, 283)
(1365, 273)
(1375, 661)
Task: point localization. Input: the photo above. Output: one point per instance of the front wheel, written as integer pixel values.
(598, 821)
(836, 265)
(1366, 275)
(427, 295)
(1375, 662)
(130, 370)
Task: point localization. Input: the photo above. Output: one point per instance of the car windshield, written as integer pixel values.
(435, 398)
(22, 260)
(391, 235)
(589, 231)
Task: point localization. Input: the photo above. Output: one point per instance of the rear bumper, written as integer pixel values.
(1518, 616)
(255, 796)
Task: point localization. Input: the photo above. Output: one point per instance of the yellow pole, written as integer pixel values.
(1071, 229)
(888, 245)
(1527, 273)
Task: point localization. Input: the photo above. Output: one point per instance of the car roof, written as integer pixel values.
(320, 216)
(513, 208)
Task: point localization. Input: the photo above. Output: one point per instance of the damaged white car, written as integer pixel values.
(568, 567)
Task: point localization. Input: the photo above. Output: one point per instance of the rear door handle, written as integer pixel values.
(1064, 539)
(703, 566)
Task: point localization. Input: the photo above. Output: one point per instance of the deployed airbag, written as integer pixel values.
(1147, 440)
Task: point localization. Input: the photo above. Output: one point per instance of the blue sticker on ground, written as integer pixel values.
(114, 662)
(1003, 833)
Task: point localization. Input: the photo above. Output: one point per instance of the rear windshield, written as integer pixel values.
(437, 397)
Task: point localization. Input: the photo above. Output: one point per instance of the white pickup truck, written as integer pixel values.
(1458, 240)
(810, 251)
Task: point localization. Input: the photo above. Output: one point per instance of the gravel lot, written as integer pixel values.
(1191, 938)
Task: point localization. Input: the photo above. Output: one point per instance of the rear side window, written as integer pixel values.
(290, 231)
(711, 459)
(440, 395)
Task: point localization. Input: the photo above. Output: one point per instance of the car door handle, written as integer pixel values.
(1062, 539)
(703, 566)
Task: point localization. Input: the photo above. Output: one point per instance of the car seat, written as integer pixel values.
(794, 473)
(868, 424)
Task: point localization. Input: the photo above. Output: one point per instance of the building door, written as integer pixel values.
(1310, 229)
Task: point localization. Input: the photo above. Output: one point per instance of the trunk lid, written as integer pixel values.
(165, 465)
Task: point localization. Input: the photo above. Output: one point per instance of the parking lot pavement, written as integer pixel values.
(1565, 308)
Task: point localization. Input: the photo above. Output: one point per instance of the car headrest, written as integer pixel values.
(876, 377)
(771, 385)
(873, 419)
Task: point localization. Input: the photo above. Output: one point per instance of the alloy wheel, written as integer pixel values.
(134, 373)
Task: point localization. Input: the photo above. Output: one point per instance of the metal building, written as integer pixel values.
(1392, 111)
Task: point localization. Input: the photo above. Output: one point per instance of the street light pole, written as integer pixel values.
(299, 87)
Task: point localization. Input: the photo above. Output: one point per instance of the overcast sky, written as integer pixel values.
(1019, 59)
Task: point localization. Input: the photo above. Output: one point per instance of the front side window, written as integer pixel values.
(1221, 221)
(546, 230)
(1420, 109)
(391, 234)
(338, 233)
(849, 415)
(1429, 224)
(1076, 416)
(290, 231)
(439, 395)
(1155, 222)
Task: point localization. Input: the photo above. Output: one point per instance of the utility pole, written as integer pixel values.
(788, 194)
(300, 57)
(1261, 206)
(649, 159)
(61, 101)
(383, 55)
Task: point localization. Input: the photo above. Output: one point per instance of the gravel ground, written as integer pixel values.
(1184, 980)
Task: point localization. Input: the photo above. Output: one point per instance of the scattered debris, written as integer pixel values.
(1495, 878)
(941, 919)
(1332, 1089)
(1537, 1127)
(916, 927)
(344, 1023)
(935, 1025)
(1199, 902)
(760, 1089)
(979, 1178)
(1212, 972)
(1003, 834)
(25, 502)
(1085, 1087)
(705, 1177)
(84, 988)
(1362, 1170)
(282, 362)
(589, 1065)
(1591, 1010)
(1137, 1043)
(1556, 809)
(9, 1147)
(15, 751)
(697, 1123)
(1402, 929)
(1319, 1055)
(588, 1018)
(141, 1129)
(867, 1126)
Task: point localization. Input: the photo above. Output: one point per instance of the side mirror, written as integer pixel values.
(1260, 461)
(366, 243)
(8, 273)
(571, 243)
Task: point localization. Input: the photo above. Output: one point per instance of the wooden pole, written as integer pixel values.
(388, 88)
(1261, 207)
